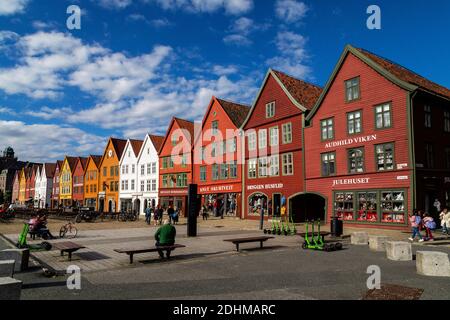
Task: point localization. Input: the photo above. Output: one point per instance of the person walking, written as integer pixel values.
(148, 215)
(170, 213)
(445, 221)
(429, 225)
(156, 214)
(415, 221)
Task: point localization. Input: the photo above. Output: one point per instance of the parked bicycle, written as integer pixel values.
(68, 231)
(127, 216)
(87, 216)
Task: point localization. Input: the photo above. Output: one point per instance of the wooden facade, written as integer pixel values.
(78, 182)
(91, 181)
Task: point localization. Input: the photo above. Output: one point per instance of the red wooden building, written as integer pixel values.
(78, 182)
(274, 173)
(175, 162)
(377, 144)
(55, 188)
(217, 161)
(30, 182)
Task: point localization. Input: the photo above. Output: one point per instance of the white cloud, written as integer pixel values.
(41, 25)
(10, 7)
(291, 10)
(225, 70)
(47, 142)
(292, 55)
(237, 39)
(240, 30)
(6, 110)
(47, 113)
(114, 4)
(234, 7)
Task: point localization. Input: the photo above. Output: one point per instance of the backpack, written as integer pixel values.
(430, 224)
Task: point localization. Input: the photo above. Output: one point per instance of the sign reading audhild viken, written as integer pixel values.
(350, 141)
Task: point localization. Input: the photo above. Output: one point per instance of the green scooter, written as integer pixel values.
(22, 241)
(292, 228)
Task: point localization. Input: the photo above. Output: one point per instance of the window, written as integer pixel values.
(111, 171)
(287, 133)
(429, 153)
(203, 173)
(215, 127)
(215, 172)
(233, 169)
(126, 169)
(344, 205)
(153, 184)
(184, 160)
(143, 183)
(288, 164)
(149, 169)
(262, 167)
(164, 182)
(273, 134)
(126, 185)
(153, 167)
(354, 122)
(111, 186)
(123, 169)
(223, 171)
(149, 186)
(270, 109)
(327, 126)
(385, 156)
(447, 121)
(328, 164)
(383, 116)
(132, 185)
(262, 138)
(447, 158)
(352, 89)
(232, 145)
(213, 149)
(105, 170)
(274, 165)
(143, 166)
(251, 164)
(252, 141)
(174, 139)
(181, 180)
(356, 160)
(427, 113)
(133, 168)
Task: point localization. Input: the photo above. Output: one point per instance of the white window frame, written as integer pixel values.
(274, 141)
(287, 133)
(251, 137)
(286, 164)
(262, 167)
(252, 167)
(274, 162)
(262, 138)
(270, 110)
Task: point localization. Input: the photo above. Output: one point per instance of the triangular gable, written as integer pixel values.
(181, 127)
(129, 145)
(349, 49)
(149, 138)
(269, 73)
(118, 145)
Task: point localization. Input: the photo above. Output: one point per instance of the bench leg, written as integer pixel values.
(237, 247)
(131, 258)
(70, 255)
(261, 244)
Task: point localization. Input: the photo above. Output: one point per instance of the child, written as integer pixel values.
(429, 224)
(415, 221)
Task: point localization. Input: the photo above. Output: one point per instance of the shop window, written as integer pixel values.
(287, 133)
(262, 167)
(429, 154)
(251, 164)
(256, 203)
(328, 164)
(262, 138)
(446, 121)
(356, 160)
(203, 173)
(393, 206)
(327, 126)
(354, 124)
(215, 172)
(352, 89)
(367, 207)
(270, 109)
(344, 206)
(385, 156)
(273, 134)
(427, 115)
(383, 116)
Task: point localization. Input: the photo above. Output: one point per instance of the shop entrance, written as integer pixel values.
(101, 205)
(307, 206)
(276, 206)
(137, 206)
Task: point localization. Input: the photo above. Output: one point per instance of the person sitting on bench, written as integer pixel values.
(165, 236)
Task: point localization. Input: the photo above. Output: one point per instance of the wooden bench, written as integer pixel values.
(68, 247)
(238, 241)
(167, 249)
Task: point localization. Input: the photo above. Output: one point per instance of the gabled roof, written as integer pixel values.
(136, 145)
(83, 162)
(301, 93)
(96, 159)
(407, 75)
(50, 169)
(119, 146)
(397, 74)
(59, 163)
(157, 141)
(183, 124)
(72, 161)
(236, 112)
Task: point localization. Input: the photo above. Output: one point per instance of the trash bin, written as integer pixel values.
(337, 227)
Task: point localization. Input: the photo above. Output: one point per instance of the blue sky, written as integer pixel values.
(136, 63)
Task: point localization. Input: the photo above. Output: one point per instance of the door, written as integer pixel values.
(276, 205)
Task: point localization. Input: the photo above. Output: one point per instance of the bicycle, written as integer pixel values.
(68, 230)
